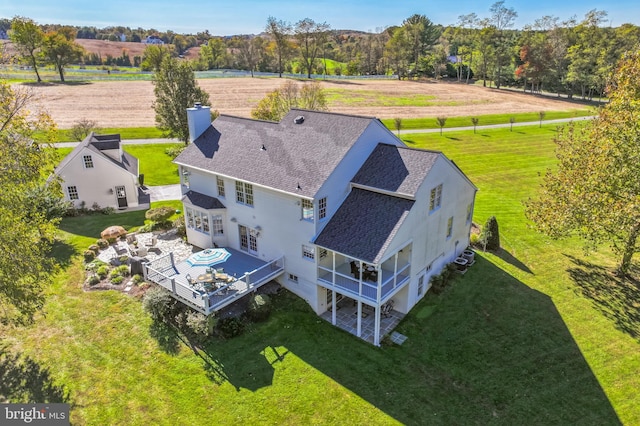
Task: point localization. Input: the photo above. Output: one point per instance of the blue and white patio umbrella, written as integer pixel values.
(208, 257)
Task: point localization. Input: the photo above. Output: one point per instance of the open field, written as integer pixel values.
(537, 333)
(129, 103)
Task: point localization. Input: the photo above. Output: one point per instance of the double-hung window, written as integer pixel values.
(88, 162)
(73, 192)
(244, 193)
(308, 252)
(197, 220)
(449, 227)
(322, 208)
(307, 210)
(435, 199)
(220, 185)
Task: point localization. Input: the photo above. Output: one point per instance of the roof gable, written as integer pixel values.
(97, 144)
(365, 224)
(396, 169)
(287, 156)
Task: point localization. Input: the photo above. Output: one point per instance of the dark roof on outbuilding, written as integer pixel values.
(281, 155)
(364, 225)
(396, 169)
(99, 143)
(203, 201)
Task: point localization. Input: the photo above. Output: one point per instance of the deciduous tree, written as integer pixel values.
(311, 37)
(595, 192)
(176, 90)
(60, 49)
(28, 39)
(277, 103)
(27, 215)
(280, 32)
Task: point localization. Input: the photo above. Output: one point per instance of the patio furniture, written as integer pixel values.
(152, 242)
(354, 269)
(205, 278)
(387, 308)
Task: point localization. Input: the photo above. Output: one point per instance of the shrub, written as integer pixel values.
(114, 273)
(162, 225)
(181, 229)
(94, 279)
(197, 326)
(117, 280)
(159, 304)
(491, 234)
(174, 151)
(111, 240)
(95, 208)
(474, 239)
(160, 214)
(103, 271)
(102, 243)
(94, 248)
(146, 228)
(89, 255)
(137, 279)
(229, 327)
(108, 210)
(259, 307)
(123, 270)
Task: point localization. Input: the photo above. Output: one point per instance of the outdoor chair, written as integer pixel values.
(387, 308)
(152, 242)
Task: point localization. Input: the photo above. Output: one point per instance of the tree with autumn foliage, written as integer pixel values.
(30, 204)
(60, 49)
(595, 191)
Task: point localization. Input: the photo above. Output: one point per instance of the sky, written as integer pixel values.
(231, 17)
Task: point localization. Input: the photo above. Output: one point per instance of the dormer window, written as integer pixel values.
(88, 162)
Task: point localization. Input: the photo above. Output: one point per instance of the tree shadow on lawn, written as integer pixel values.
(23, 380)
(618, 298)
(63, 252)
(512, 260)
(493, 350)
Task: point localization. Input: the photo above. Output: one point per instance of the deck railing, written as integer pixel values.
(162, 271)
(349, 285)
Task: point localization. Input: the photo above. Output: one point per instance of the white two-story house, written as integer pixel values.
(353, 210)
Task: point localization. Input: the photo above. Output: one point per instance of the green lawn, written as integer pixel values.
(155, 164)
(484, 120)
(536, 334)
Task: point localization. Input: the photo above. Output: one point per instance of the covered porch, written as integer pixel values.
(242, 274)
(371, 283)
(346, 318)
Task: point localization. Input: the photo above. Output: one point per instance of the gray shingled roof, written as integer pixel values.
(294, 154)
(364, 225)
(98, 143)
(396, 169)
(201, 200)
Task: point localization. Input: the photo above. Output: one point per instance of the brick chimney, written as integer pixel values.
(199, 120)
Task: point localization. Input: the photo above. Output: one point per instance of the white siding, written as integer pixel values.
(97, 184)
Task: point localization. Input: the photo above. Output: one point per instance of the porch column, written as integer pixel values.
(333, 307)
(333, 292)
(376, 327)
(395, 270)
(359, 321)
(377, 311)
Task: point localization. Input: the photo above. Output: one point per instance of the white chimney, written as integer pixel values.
(199, 120)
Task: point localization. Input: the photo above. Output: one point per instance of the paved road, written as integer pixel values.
(164, 193)
(402, 132)
(124, 142)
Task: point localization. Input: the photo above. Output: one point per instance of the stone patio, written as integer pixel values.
(167, 242)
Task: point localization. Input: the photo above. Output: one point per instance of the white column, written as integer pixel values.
(376, 328)
(333, 307)
(359, 321)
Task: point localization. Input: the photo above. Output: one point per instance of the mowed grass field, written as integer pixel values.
(538, 333)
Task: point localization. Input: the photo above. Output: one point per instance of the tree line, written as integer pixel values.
(571, 57)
